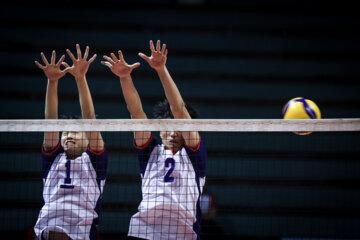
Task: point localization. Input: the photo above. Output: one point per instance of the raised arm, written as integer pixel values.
(123, 70)
(53, 73)
(78, 70)
(157, 61)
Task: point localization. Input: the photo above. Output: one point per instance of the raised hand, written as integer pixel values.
(158, 57)
(119, 66)
(80, 64)
(52, 70)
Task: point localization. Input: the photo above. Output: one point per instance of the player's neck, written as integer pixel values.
(71, 156)
(173, 150)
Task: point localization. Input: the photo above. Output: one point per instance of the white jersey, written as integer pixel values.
(72, 193)
(171, 188)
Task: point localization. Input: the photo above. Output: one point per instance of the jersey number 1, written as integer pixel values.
(67, 180)
(169, 161)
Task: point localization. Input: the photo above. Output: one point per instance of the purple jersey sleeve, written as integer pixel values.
(145, 151)
(99, 161)
(198, 158)
(49, 157)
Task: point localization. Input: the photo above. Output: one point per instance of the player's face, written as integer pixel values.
(172, 140)
(74, 143)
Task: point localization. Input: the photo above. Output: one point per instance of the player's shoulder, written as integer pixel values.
(52, 151)
(91, 153)
(150, 144)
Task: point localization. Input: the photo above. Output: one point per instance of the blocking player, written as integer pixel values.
(172, 172)
(74, 167)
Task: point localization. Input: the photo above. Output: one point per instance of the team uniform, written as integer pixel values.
(172, 184)
(72, 193)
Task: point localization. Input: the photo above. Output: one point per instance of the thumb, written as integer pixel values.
(65, 64)
(135, 65)
(143, 56)
(39, 65)
(67, 67)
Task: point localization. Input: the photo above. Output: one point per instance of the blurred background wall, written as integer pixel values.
(231, 59)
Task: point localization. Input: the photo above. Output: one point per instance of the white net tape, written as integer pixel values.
(210, 125)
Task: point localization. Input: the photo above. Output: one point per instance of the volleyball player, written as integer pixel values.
(172, 172)
(74, 167)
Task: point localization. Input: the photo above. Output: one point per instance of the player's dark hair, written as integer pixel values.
(162, 110)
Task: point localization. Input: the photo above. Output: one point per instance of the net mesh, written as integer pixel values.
(258, 184)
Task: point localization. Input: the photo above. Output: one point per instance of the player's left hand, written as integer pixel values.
(52, 70)
(80, 64)
(158, 57)
(119, 66)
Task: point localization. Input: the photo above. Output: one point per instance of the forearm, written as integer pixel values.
(51, 100)
(96, 142)
(85, 99)
(132, 98)
(134, 106)
(51, 139)
(173, 94)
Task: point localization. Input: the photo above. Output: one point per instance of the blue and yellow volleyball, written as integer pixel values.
(301, 108)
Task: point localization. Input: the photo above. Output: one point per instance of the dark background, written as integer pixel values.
(231, 59)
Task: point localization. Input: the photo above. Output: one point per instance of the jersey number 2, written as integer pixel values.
(67, 180)
(169, 161)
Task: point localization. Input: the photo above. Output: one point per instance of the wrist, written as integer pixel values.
(161, 70)
(80, 79)
(53, 81)
(125, 78)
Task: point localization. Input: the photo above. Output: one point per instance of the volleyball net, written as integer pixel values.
(252, 179)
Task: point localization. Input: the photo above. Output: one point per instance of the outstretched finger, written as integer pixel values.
(71, 55)
(66, 70)
(78, 51)
(158, 46)
(135, 65)
(39, 65)
(92, 58)
(106, 64)
(109, 59)
(163, 49)
(114, 57)
(121, 56)
(86, 52)
(65, 65)
(60, 60)
(166, 52)
(44, 58)
(152, 46)
(53, 56)
(143, 56)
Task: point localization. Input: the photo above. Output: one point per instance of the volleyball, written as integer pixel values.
(301, 108)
